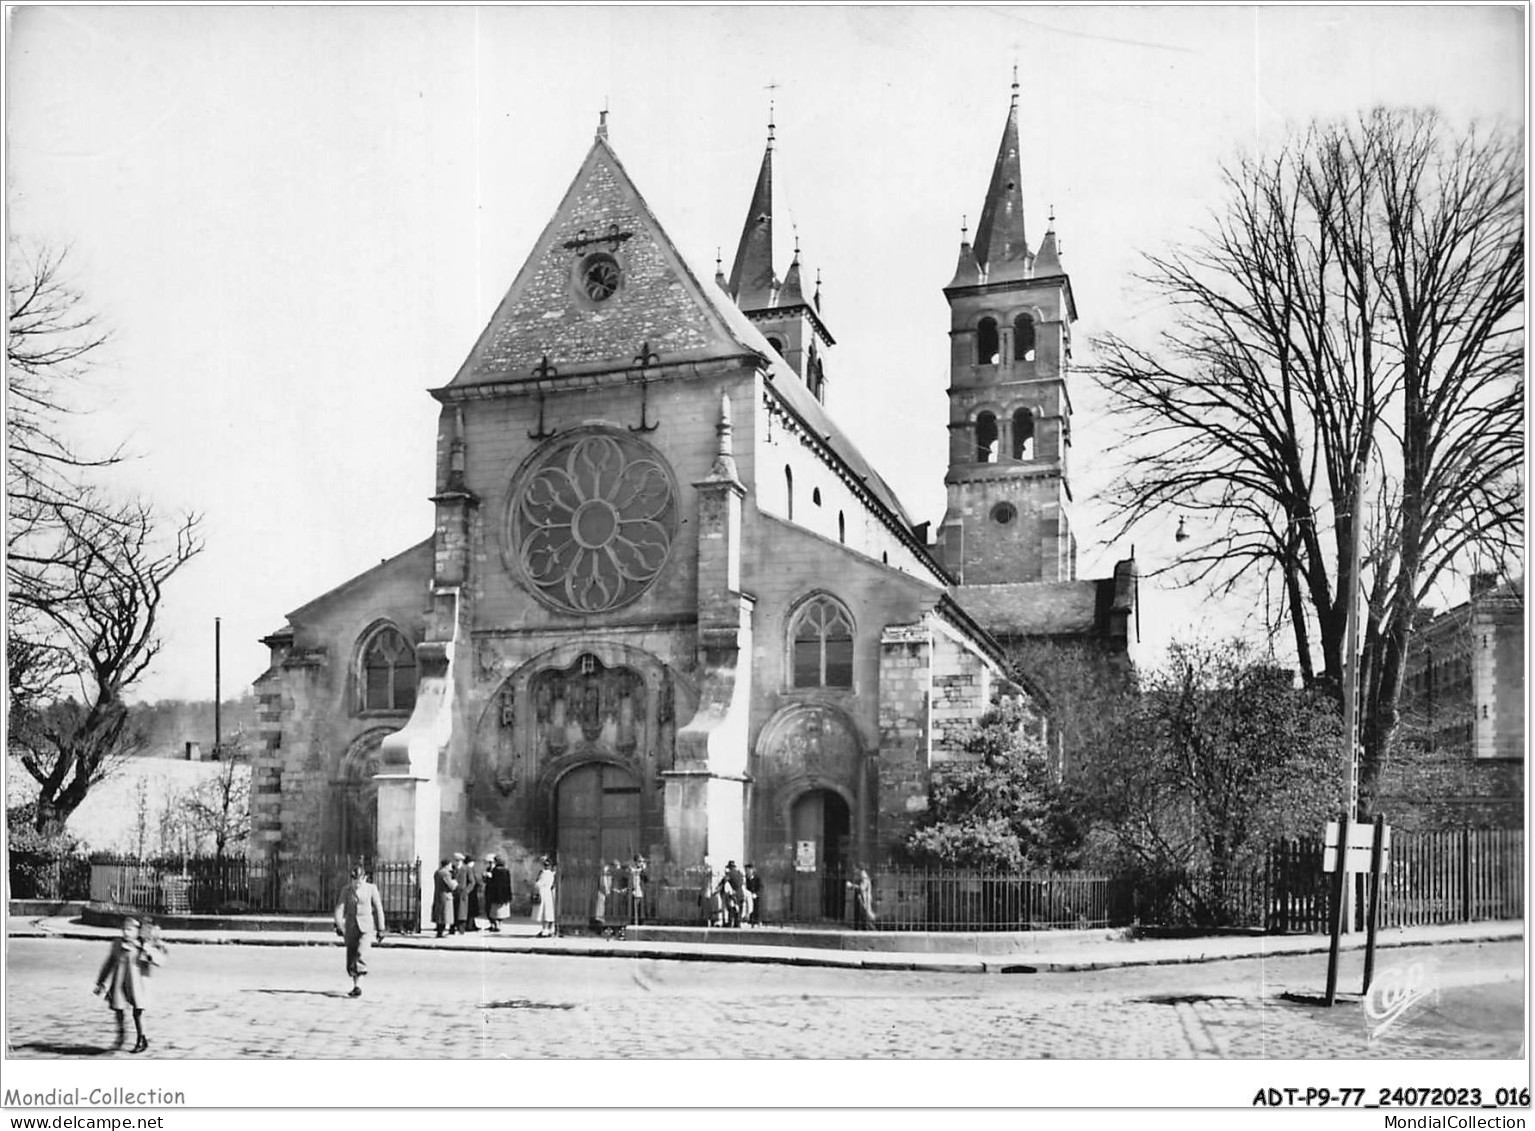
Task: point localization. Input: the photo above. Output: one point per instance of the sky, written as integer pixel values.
(296, 220)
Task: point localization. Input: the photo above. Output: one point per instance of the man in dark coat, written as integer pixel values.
(754, 890)
(443, 885)
(735, 893)
(498, 891)
(468, 883)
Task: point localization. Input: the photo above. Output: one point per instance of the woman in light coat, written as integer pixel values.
(547, 890)
(123, 979)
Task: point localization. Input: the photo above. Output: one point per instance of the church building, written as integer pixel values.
(666, 607)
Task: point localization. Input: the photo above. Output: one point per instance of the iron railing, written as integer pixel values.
(1435, 877)
(46, 876)
(224, 885)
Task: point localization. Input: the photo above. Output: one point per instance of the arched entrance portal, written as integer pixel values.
(597, 815)
(821, 828)
(354, 800)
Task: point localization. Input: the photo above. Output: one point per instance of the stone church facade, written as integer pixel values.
(666, 607)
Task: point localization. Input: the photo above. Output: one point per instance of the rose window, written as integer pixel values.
(593, 521)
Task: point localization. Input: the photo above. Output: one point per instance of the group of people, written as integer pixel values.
(621, 889)
(465, 891)
(124, 978)
(734, 898)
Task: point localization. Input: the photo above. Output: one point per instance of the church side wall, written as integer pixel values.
(786, 566)
(310, 712)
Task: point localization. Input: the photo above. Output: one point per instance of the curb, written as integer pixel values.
(784, 956)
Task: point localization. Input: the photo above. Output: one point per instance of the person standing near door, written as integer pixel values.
(443, 884)
(545, 894)
(636, 890)
(753, 897)
(863, 899)
(498, 891)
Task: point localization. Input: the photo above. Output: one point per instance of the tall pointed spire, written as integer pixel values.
(751, 278)
(1001, 246)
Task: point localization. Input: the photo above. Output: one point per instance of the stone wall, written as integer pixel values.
(905, 730)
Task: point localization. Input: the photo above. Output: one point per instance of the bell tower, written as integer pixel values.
(1009, 492)
(792, 324)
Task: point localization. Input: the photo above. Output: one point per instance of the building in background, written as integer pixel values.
(1459, 760)
(667, 607)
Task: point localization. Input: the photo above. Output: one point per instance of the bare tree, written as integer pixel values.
(51, 342)
(219, 808)
(85, 573)
(1358, 305)
(103, 610)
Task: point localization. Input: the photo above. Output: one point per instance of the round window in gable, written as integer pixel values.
(1004, 513)
(599, 276)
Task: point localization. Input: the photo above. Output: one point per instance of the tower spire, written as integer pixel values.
(751, 277)
(1001, 244)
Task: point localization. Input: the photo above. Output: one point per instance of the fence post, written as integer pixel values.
(1466, 873)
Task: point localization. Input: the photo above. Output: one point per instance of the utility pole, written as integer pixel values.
(217, 689)
(1351, 688)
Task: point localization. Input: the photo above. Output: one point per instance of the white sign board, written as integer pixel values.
(1361, 846)
(804, 856)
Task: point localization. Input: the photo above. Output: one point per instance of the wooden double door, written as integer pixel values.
(598, 816)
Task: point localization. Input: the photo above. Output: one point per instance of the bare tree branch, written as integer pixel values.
(1358, 303)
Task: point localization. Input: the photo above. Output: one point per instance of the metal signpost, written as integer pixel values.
(1353, 848)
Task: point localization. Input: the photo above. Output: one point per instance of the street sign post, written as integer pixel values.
(1361, 847)
(1353, 847)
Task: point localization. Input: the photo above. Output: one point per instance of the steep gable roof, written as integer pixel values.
(659, 300)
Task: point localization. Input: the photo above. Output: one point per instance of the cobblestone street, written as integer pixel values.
(236, 1002)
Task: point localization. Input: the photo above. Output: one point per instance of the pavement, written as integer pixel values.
(991, 953)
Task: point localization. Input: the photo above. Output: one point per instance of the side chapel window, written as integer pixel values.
(823, 645)
(388, 672)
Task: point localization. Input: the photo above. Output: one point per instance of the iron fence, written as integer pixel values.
(224, 885)
(904, 899)
(45, 876)
(1435, 877)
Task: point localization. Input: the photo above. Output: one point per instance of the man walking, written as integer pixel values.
(359, 919)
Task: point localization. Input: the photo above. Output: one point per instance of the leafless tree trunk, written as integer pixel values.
(85, 573)
(1358, 304)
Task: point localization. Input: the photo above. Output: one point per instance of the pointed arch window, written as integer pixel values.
(985, 438)
(388, 671)
(1023, 434)
(1023, 338)
(986, 342)
(841, 527)
(822, 645)
(788, 483)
